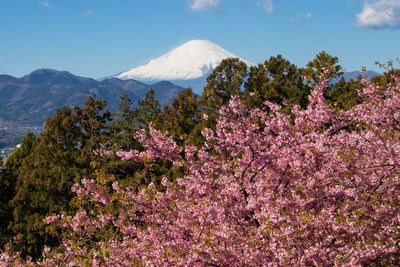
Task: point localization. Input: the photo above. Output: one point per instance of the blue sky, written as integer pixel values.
(97, 38)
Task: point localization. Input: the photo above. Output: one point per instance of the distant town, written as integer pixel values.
(11, 135)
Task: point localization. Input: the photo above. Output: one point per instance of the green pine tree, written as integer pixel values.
(323, 61)
(8, 179)
(277, 81)
(344, 94)
(148, 110)
(225, 81)
(183, 118)
(61, 156)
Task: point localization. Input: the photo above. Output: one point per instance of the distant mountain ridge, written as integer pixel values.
(36, 96)
(187, 65)
(354, 75)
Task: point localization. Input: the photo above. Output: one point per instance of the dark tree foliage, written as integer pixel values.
(148, 113)
(387, 77)
(182, 119)
(8, 181)
(148, 110)
(131, 173)
(343, 94)
(124, 126)
(256, 87)
(277, 81)
(43, 181)
(226, 80)
(123, 131)
(93, 120)
(322, 61)
(60, 157)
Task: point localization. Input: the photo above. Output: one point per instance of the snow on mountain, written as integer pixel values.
(190, 61)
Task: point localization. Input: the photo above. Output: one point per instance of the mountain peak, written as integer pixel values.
(53, 76)
(191, 60)
(199, 46)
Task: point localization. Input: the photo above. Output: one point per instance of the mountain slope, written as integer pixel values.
(31, 99)
(34, 97)
(164, 91)
(354, 75)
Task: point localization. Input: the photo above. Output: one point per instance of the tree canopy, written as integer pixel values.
(263, 168)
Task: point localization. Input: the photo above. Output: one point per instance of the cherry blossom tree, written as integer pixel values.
(320, 187)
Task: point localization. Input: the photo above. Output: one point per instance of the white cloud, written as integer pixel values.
(380, 14)
(300, 17)
(307, 15)
(45, 4)
(87, 13)
(296, 21)
(205, 5)
(216, 5)
(267, 5)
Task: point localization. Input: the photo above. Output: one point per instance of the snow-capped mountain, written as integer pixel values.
(186, 65)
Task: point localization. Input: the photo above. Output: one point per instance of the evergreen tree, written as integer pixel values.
(226, 80)
(256, 87)
(125, 125)
(60, 157)
(277, 81)
(124, 130)
(344, 94)
(93, 120)
(8, 179)
(387, 77)
(183, 118)
(323, 61)
(148, 110)
(44, 181)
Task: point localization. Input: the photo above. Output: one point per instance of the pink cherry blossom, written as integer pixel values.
(266, 189)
